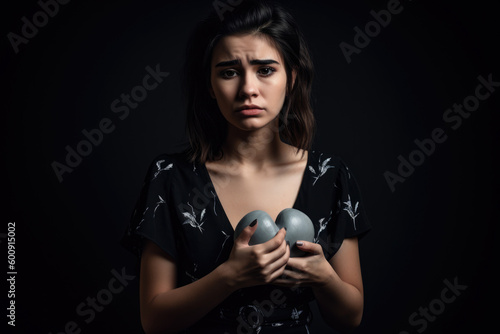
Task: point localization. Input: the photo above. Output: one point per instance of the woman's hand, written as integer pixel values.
(257, 264)
(336, 284)
(311, 270)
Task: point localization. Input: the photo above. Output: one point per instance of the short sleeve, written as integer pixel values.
(351, 212)
(152, 218)
(348, 214)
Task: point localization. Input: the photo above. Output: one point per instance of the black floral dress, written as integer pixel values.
(179, 211)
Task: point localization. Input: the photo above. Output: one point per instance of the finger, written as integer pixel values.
(286, 282)
(275, 242)
(309, 247)
(275, 268)
(278, 259)
(247, 233)
(293, 278)
(296, 262)
(278, 273)
(294, 275)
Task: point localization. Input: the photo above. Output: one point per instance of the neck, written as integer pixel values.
(256, 148)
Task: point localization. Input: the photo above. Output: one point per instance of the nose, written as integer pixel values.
(249, 86)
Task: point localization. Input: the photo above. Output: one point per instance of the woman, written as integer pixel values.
(250, 125)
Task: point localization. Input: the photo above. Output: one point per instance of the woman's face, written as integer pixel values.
(248, 79)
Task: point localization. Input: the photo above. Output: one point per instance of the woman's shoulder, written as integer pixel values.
(171, 158)
(325, 158)
(176, 162)
(320, 161)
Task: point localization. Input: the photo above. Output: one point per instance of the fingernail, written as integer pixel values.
(288, 243)
(299, 243)
(253, 223)
(284, 228)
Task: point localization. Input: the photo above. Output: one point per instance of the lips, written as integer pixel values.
(250, 110)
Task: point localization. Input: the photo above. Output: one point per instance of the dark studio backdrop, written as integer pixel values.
(384, 101)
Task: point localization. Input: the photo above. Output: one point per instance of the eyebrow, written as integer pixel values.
(252, 62)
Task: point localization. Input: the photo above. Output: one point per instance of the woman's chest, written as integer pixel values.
(240, 195)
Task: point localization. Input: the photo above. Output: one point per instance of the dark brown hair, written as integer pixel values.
(206, 127)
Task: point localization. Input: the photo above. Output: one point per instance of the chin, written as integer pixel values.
(253, 124)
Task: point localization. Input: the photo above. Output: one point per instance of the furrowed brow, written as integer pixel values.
(263, 62)
(252, 62)
(228, 63)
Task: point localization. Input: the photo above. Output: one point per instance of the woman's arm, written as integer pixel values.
(340, 299)
(166, 308)
(337, 284)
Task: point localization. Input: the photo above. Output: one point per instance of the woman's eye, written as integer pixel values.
(266, 71)
(226, 74)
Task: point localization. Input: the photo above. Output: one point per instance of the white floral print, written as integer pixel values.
(161, 201)
(323, 222)
(350, 211)
(322, 168)
(226, 236)
(192, 219)
(295, 314)
(143, 214)
(160, 169)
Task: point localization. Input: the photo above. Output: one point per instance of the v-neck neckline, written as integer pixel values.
(221, 207)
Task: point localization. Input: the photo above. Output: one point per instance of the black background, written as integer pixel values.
(440, 224)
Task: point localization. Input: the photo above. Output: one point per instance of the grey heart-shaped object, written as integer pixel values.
(298, 227)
